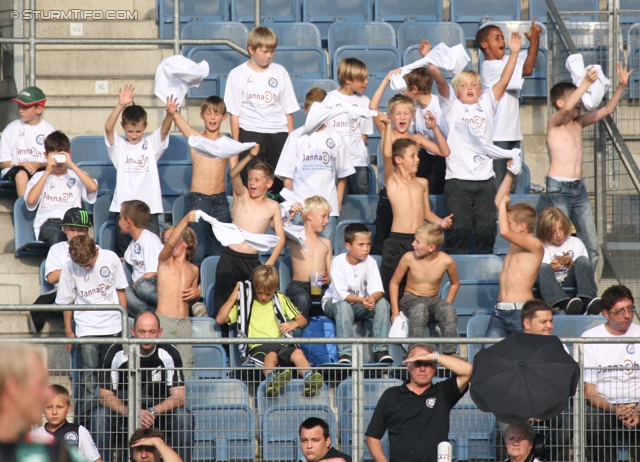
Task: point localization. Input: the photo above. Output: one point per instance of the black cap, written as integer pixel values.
(77, 217)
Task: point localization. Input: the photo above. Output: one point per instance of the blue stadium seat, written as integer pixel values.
(286, 273)
(538, 8)
(633, 47)
(472, 296)
(477, 267)
(101, 210)
(373, 389)
(106, 237)
(323, 13)
(26, 243)
(295, 34)
(196, 29)
(302, 62)
(523, 181)
(44, 284)
(568, 326)
(210, 355)
(476, 328)
(367, 34)
(537, 201)
(103, 172)
(358, 207)
(221, 61)
(592, 41)
(281, 417)
(338, 240)
(469, 13)
(379, 60)
(411, 32)
(302, 86)
(395, 12)
(374, 83)
(213, 10)
(224, 422)
(208, 280)
(175, 177)
(270, 11)
(471, 432)
(628, 18)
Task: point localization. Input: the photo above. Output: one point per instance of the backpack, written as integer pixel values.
(318, 354)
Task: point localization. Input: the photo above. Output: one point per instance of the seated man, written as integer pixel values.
(612, 381)
(315, 442)
(148, 445)
(163, 392)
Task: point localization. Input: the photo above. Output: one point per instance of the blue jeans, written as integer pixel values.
(580, 275)
(571, 197)
(358, 183)
(143, 297)
(177, 425)
(216, 206)
(503, 323)
(345, 314)
(300, 294)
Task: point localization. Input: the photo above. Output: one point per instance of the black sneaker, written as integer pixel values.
(382, 357)
(574, 306)
(594, 306)
(345, 359)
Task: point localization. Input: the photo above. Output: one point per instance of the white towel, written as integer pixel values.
(400, 328)
(596, 91)
(229, 234)
(475, 151)
(222, 148)
(176, 74)
(320, 113)
(451, 60)
(293, 232)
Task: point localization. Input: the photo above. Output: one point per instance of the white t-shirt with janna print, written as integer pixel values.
(572, 246)
(22, 142)
(56, 258)
(419, 126)
(143, 254)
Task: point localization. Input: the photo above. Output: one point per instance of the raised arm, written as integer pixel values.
(386, 145)
(608, 109)
(505, 187)
(36, 191)
(514, 47)
(181, 123)
(165, 128)
(534, 43)
(441, 82)
(458, 366)
(377, 97)
(573, 99)
(440, 147)
(125, 98)
(527, 242)
(176, 235)
(236, 180)
(89, 183)
(166, 453)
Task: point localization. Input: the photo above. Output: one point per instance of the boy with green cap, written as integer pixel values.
(22, 146)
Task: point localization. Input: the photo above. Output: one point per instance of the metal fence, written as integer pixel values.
(610, 171)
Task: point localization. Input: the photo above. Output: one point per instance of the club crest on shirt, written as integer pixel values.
(71, 438)
(137, 248)
(479, 108)
(40, 139)
(431, 402)
(71, 182)
(273, 82)
(145, 145)
(478, 159)
(631, 349)
(330, 143)
(105, 272)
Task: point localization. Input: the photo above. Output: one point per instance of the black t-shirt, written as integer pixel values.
(31, 448)
(334, 453)
(160, 371)
(416, 423)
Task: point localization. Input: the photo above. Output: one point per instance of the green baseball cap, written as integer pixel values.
(77, 217)
(30, 96)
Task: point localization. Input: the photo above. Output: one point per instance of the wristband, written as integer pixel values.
(152, 410)
(436, 355)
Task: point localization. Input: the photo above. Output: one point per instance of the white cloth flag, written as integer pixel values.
(293, 232)
(596, 91)
(475, 151)
(176, 74)
(229, 234)
(400, 328)
(451, 60)
(222, 148)
(320, 113)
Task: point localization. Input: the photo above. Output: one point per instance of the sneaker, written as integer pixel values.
(594, 306)
(312, 383)
(382, 357)
(536, 188)
(345, 359)
(276, 381)
(199, 309)
(574, 306)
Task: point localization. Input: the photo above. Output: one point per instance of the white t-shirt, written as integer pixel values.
(143, 254)
(351, 131)
(137, 166)
(96, 286)
(506, 122)
(261, 99)
(572, 246)
(419, 126)
(59, 194)
(56, 258)
(620, 385)
(479, 117)
(346, 279)
(86, 446)
(22, 142)
(314, 162)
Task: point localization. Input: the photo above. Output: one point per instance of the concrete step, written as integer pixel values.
(21, 278)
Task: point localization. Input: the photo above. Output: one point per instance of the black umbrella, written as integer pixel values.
(524, 376)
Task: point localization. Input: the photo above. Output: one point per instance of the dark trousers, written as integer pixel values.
(433, 168)
(123, 240)
(580, 276)
(500, 165)
(473, 208)
(358, 183)
(606, 436)
(271, 145)
(216, 206)
(51, 232)
(300, 294)
(384, 220)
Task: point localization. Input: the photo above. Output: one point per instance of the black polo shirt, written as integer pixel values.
(335, 454)
(416, 423)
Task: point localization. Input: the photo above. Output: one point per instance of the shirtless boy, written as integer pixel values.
(520, 268)
(409, 198)
(424, 269)
(317, 257)
(177, 284)
(565, 185)
(252, 211)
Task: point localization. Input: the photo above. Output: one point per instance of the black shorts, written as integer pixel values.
(259, 353)
(13, 171)
(233, 267)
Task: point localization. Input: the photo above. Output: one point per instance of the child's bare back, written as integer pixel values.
(315, 258)
(425, 274)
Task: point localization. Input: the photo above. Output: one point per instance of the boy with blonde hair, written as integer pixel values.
(63, 431)
(22, 152)
(260, 98)
(352, 76)
(424, 269)
(317, 257)
(260, 311)
(136, 161)
(62, 186)
(521, 264)
(469, 185)
(142, 255)
(317, 164)
(356, 293)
